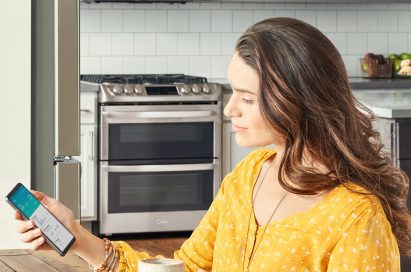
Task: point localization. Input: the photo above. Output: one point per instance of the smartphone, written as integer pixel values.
(55, 233)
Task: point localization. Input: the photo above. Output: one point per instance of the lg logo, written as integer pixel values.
(160, 221)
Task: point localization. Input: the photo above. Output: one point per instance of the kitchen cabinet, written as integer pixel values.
(88, 157)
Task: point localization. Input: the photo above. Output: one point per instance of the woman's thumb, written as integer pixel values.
(42, 197)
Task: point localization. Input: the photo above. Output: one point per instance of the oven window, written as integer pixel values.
(159, 191)
(161, 141)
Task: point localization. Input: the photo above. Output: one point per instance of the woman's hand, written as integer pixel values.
(32, 235)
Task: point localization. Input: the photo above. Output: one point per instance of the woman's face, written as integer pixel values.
(243, 108)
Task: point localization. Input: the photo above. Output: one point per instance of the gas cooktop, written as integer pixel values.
(144, 79)
(150, 88)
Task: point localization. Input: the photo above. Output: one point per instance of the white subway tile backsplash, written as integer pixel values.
(377, 42)
(340, 41)
(122, 44)
(388, 21)
(145, 6)
(285, 13)
(200, 66)
(167, 44)
(295, 6)
(210, 44)
(100, 44)
(378, 6)
(134, 21)
(248, 6)
(90, 65)
(84, 44)
(219, 66)
(228, 41)
(200, 21)
(327, 21)
(167, 6)
(156, 65)
(367, 21)
(347, 21)
(242, 19)
(404, 21)
(124, 6)
(260, 15)
(221, 21)
(232, 6)
(199, 37)
(189, 5)
(101, 5)
(397, 42)
(111, 65)
(90, 21)
(144, 44)
(189, 44)
(356, 43)
(204, 5)
(308, 16)
(133, 65)
(112, 21)
(178, 65)
(156, 21)
(177, 21)
(351, 65)
(274, 6)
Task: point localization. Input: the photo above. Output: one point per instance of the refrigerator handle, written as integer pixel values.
(67, 122)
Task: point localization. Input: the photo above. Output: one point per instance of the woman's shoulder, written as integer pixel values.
(351, 202)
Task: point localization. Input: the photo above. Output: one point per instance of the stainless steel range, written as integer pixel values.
(160, 151)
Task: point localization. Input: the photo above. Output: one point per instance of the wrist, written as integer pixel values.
(78, 232)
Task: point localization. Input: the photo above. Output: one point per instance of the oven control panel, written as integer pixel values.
(111, 92)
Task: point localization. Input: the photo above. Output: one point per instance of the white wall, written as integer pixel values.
(199, 38)
(14, 109)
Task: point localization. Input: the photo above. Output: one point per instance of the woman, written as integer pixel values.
(326, 199)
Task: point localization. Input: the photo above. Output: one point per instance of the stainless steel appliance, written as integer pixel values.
(160, 151)
(55, 100)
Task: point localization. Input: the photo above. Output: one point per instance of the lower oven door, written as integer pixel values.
(155, 198)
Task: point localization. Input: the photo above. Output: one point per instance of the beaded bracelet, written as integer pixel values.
(109, 249)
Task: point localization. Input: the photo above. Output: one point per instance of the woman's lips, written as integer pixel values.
(237, 128)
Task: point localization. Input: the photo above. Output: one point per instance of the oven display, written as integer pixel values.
(161, 90)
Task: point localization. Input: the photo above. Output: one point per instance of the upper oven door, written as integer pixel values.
(160, 134)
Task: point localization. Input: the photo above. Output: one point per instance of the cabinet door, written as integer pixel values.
(88, 173)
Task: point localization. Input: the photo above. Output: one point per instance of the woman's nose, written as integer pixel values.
(230, 109)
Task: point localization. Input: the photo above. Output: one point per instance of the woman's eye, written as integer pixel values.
(247, 101)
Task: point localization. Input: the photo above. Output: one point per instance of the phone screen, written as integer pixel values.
(28, 205)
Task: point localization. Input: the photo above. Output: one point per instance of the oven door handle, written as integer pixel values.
(161, 115)
(156, 168)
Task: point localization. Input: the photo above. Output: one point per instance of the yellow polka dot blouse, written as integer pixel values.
(345, 231)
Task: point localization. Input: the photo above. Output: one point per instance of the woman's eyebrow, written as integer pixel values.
(241, 90)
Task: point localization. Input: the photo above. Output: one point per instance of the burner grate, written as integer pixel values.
(144, 79)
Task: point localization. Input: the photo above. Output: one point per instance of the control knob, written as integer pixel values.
(128, 91)
(185, 89)
(138, 89)
(196, 89)
(206, 88)
(117, 90)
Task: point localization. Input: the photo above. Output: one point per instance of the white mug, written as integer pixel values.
(160, 265)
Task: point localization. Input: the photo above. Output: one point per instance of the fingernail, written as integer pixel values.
(37, 231)
(30, 224)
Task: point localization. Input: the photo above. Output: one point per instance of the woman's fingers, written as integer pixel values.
(18, 216)
(30, 236)
(38, 242)
(24, 226)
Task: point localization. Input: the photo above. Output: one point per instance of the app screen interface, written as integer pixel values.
(32, 209)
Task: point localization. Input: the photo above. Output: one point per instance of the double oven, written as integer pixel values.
(160, 154)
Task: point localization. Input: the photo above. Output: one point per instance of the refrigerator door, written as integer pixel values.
(67, 179)
(67, 121)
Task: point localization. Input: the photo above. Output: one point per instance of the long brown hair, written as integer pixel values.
(306, 97)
